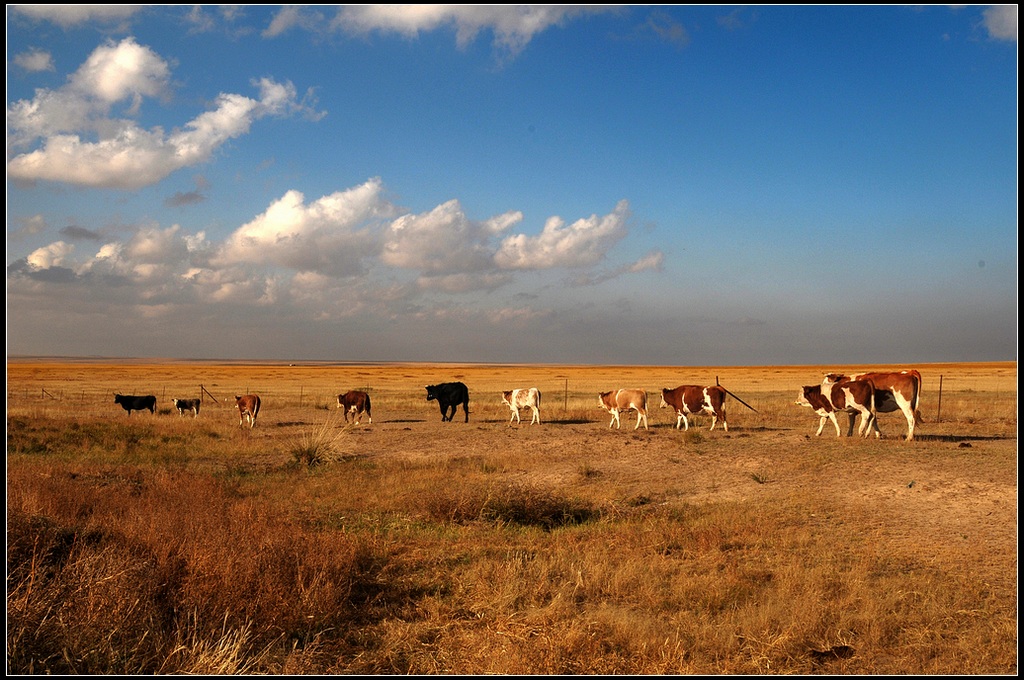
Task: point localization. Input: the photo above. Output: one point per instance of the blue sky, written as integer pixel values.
(673, 185)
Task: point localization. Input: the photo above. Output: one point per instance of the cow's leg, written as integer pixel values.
(853, 417)
(835, 421)
(641, 414)
(821, 425)
(686, 421)
(867, 421)
(465, 409)
(714, 420)
(908, 412)
(615, 420)
(536, 415)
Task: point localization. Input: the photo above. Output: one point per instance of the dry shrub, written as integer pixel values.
(115, 586)
(518, 504)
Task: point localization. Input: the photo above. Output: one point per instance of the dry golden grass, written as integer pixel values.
(160, 544)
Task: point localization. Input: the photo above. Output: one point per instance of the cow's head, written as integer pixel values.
(506, 398)
(431, 392)
(605, 400)
(664, 391)
(803, 398)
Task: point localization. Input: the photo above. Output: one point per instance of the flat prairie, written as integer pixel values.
(946, 501)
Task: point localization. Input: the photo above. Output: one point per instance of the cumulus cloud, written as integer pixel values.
(1001, 22)
(53, 255)
(444, 239)
(346, 254)
(79, 142)
(331, 235)
(583, 243)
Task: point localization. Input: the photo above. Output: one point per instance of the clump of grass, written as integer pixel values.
(320, 444)
(692, 436)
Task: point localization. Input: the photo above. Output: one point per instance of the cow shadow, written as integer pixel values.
(954, 438)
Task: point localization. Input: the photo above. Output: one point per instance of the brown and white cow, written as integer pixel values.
(898, 390)
(248, 409)
(356, 403)
(692, 399)
(617, 401)
(855, 397)
(522, 398)
(188, 405)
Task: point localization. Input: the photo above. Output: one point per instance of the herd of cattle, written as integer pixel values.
(863, 395)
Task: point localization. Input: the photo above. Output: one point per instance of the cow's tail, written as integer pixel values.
(256, 409)
(917, 399)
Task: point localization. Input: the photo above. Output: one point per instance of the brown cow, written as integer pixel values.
(856, 397)
(248, 409)
(624, 400)
(694, 399)
(357, 403)
(894, 391)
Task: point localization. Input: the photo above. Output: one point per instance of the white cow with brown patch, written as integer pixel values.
(895, 391)
(522, 398)
(856, 397)
(617, 401)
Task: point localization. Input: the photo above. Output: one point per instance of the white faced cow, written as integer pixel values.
(893, 391)
(694, 399)
(617, 401)
(187, 405)
(357, 403)
(856, 397)
(517, 399)
(248, 409)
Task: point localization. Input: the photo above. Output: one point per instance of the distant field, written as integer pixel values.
(416, 546)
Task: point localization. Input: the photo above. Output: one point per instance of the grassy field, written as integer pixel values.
(160, 544)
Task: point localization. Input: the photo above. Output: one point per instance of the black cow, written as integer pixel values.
(449, 396)
(132, 403)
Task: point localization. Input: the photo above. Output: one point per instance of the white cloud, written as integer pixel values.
(332, 235)
(157, 246)
(1001, 22)
(35, 60)
(444, 240)
(114, 72)
(80, 144)
(53, 255)
(583, 243)
(73, 15)
(513, 26)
